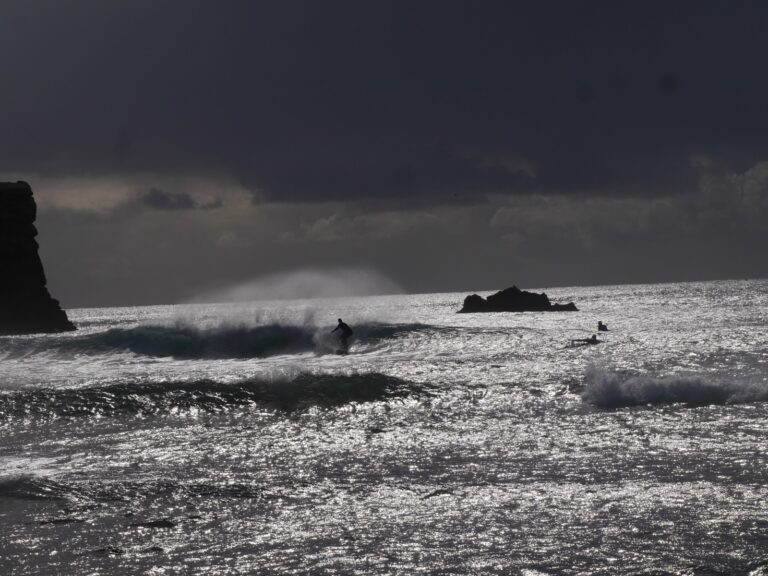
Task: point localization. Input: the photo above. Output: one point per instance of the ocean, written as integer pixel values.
(224, 439)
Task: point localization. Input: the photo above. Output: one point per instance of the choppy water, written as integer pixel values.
(232, 440)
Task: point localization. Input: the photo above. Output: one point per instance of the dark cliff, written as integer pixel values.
(26, 307)
(514, 300)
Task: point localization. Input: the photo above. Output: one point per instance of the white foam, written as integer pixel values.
(609, 388)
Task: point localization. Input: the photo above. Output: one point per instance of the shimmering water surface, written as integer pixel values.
(231, 439)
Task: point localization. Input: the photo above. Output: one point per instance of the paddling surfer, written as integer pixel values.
(592, 340)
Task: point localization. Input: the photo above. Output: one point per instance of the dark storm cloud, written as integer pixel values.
(161, 200)
(167, 200)
(339, 99)
(451, 145)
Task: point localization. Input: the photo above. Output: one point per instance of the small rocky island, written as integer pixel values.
(26, 307)
(514, 300)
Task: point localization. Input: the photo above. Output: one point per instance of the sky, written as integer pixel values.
(181, 147)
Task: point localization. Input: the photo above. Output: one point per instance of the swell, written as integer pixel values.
(147, 398)
(27, 487)
(190, 342)
(610, 389)
(33, 487)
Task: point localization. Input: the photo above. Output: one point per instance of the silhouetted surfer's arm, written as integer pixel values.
(346, 331)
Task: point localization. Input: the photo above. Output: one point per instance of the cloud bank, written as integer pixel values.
(449, 145)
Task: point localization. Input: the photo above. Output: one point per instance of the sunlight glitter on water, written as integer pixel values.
(463, 444)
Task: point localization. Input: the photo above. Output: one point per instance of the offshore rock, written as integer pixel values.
(514, 300)
(26, 307)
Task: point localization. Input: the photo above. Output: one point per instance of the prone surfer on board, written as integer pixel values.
(346, 332)
(580, 341)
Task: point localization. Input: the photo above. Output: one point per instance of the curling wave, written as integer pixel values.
(189, 342)
(147, 398)
(609, 389)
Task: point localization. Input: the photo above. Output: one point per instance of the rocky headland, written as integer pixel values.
(26, 307)
(514, 300)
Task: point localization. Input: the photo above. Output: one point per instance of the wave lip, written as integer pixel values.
(148, 398)
(607, 389)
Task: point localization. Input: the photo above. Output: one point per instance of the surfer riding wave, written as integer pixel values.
(346, 332)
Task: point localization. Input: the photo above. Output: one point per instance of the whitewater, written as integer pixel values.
(231, 439)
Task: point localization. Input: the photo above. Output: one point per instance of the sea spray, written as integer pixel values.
(307, 283)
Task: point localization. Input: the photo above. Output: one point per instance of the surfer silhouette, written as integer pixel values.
(579, 341)
(602, 327)
(346, 332)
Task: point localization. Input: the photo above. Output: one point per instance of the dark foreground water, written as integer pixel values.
(232, 440)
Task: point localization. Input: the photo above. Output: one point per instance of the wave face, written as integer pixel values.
(156, 397)
(27, 487)
(189, 342)
(608, 389)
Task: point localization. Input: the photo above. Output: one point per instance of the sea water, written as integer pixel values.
(231, 438)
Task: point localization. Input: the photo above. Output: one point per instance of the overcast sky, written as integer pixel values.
(177, 147)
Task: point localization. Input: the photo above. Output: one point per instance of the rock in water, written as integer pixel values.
(26, 307)
(514, 300)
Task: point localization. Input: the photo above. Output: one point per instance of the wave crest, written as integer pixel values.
(611, 389)
(147, 398)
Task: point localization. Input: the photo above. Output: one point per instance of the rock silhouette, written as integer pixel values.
(26, 307)
(514, 300)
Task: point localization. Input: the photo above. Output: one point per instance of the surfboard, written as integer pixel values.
(580, 342)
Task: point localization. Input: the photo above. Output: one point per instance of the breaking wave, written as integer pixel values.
(147, 398)
(28, 487)
(610, 389)
(189, 342)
